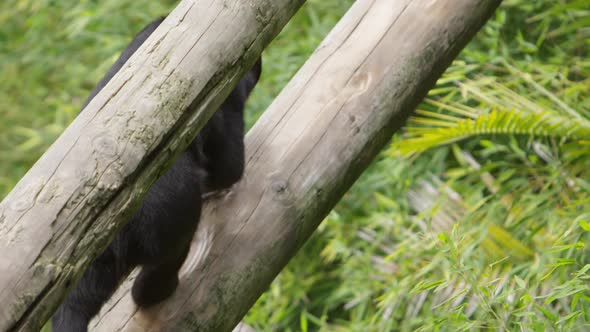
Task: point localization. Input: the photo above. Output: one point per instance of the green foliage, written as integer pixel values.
(53, 53)
(502, 243)
(433, 129)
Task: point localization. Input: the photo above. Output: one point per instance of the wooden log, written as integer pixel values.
(313, 142)
(71, 203)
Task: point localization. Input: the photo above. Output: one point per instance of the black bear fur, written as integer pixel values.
(158, 236)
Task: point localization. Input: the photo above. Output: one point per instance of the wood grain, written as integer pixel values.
(313, 142)
(71, 203)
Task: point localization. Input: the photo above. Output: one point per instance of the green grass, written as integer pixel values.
(513, 251)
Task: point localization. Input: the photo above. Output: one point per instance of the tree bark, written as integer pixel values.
(71, 203)
(308, 148)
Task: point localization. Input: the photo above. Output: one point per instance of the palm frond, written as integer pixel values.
(430, 129)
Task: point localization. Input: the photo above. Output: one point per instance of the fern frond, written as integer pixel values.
(431, 129)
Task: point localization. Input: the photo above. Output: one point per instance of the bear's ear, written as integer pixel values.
(257, 69)
(249, 81)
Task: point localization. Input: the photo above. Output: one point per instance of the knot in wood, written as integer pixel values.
(279, 187)
(265, 12)
(26, 198)
(281, 191)
(105, 145)
(22, 205)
